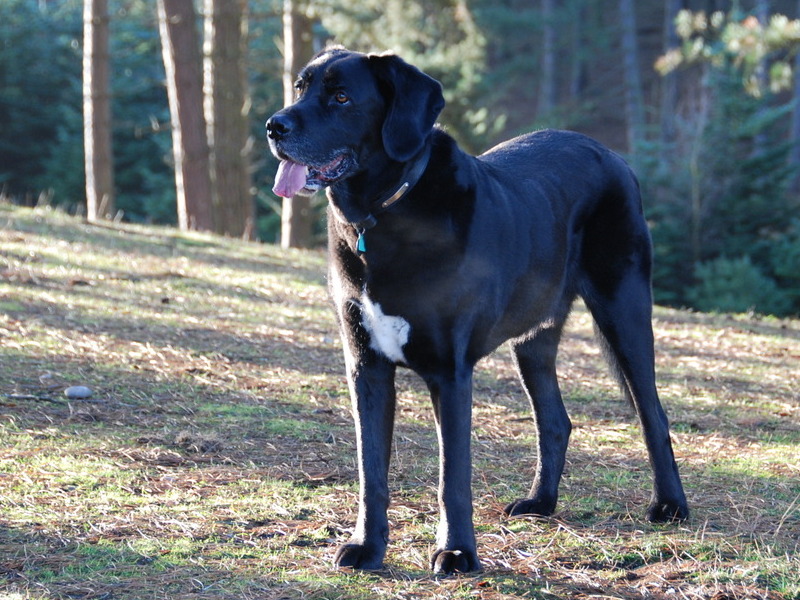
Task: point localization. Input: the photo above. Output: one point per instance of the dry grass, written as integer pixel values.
(215, 457)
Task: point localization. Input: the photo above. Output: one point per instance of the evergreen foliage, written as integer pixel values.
(718, 212)
(140, 116)
(784, 262)
(40, 93)
(736, 285)
(41, 146)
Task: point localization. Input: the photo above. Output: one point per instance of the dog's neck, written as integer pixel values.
(409, 177)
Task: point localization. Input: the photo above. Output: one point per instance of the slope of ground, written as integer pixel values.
(215, 456)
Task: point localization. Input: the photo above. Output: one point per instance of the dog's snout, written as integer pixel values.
(278, 126)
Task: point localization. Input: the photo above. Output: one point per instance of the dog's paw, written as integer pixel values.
(530, 506)
(446, 562)
(667, 512)
(359, 556)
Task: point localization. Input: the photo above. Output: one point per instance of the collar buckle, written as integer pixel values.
(401, 191)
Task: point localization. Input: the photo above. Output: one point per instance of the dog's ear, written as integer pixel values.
(414, 101)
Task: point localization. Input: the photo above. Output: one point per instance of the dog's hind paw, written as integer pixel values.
(667, 512)
(446, 562)
(530, 507)
(359, 556)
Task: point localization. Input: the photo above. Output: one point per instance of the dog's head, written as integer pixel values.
(353, 114)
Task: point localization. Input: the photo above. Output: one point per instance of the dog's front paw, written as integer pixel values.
(666, 512)
(446, 562)
(531, 506)
(359, 556)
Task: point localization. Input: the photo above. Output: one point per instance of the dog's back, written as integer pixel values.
(564, 168)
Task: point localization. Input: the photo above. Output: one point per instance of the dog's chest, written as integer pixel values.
(388, 334)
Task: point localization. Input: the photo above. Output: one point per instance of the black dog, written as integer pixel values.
(438, 257)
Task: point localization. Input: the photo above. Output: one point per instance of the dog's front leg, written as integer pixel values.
(371, 380)
(455, 539)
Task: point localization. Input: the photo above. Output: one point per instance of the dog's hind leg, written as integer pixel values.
(624, 322)
(535, 359)
(615, 266)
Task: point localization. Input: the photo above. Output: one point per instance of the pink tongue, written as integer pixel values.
(290, 178)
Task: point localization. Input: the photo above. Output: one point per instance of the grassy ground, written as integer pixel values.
(215, 457)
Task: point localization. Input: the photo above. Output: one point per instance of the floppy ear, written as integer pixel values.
(414, 101)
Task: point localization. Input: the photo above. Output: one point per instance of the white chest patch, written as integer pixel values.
(387, 334)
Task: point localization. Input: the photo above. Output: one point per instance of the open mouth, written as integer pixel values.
(295, 178)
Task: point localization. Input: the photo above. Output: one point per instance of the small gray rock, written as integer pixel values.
(78, 392)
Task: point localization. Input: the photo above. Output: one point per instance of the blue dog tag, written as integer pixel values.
(361, 245)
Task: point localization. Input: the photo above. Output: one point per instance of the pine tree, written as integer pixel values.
(226, 116)
(97, 111)
(181, 51)
(296, 213)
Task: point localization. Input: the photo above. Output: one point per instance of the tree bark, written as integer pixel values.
(298, 48)
(547, 94)
(180, 45)
(669, 83)
(98, 158)
(226, 108)
(577, 78)
(634, 104)
(760, 141)
(794, 154)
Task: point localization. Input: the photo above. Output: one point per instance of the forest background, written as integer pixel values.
(703, 106)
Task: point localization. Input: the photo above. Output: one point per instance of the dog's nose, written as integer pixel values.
(278, 126)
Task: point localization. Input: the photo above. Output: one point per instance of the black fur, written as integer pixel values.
(480, 250)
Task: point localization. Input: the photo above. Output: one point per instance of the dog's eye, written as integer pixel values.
(341, 97)
(299, 86)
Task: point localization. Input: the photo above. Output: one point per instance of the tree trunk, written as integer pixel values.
(298, 48)
(226, 108)
(634, 104)
(794, 154)
(99, 161)
(180, 45)
(669, 83)
(547, 94)
(697, 204)
(760, 140)
(577, 77)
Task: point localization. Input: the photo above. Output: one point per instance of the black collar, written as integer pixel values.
(411, 175)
